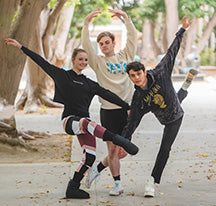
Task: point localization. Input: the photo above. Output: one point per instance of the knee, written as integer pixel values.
(113, 152)
(83, 124)
(90, 159)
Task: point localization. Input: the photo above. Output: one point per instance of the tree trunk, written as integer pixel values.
(206, 34)
(50, 28)
(36, 77)
(155, 47)
(164, 36)
(12, 60)
(72, 43)
(147, 52)
(190, 36)
(7, 120)
(61, 35)
(172, 19)
(38, 83)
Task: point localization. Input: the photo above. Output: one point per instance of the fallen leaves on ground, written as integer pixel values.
(130, 194)
(106, 201)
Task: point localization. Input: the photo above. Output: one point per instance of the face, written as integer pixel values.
(107, 46)
(80, 62)
(138, 77)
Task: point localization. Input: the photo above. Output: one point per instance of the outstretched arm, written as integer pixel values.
(169, 59)
(85, 39)
(131, 45)
(110, 96)
(45, 65)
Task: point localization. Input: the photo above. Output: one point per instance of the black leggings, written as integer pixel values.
(169, 134)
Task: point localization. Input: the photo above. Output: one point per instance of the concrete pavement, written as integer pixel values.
(189, 178)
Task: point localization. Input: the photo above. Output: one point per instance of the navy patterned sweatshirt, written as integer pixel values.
(160, 97)
(74, 91)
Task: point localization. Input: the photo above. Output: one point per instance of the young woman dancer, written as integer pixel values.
(76, 91)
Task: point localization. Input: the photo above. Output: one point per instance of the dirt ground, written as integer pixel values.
(46, 148)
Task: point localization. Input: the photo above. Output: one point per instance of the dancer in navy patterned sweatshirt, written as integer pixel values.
(154, 92)
(76, 92)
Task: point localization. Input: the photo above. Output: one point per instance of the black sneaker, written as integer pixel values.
(73, 191)
(128, 146)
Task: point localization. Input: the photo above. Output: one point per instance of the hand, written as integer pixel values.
(121, 153)
(117, 12)
(91, 15)
(185, 24)
(128, 112)
(13, 42)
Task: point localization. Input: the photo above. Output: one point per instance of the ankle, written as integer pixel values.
(117, 178)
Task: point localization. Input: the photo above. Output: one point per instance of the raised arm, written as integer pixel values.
(131, 44)
(91, 15)
(86, 44)
(169, 59)
(45, 65)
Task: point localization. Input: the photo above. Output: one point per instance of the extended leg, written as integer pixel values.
(182, 93)
(106, 135)
(169, 135)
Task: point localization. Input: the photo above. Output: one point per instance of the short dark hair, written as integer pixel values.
(77, 51)
(105, 33)
(136, 66)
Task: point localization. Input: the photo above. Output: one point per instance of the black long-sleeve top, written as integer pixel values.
(160, 97)
(75, 91)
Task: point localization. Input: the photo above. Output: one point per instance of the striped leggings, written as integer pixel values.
(86, 132)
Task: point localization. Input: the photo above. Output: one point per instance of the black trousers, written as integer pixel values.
(169, 135)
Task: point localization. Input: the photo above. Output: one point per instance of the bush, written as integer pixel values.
(208, 57)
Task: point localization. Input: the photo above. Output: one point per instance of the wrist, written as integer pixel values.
(86, 23)
(125, 16)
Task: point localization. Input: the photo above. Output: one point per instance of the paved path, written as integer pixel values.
(189, 178)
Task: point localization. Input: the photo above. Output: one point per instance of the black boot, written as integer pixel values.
(74, 192)
(128, 146)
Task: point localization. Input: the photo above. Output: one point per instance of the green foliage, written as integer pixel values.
(137, 10)
(208, 57)
(15, 15)
(148, 9)
(70, 3)
(195, 8)
(83, 8)
(52, 3)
